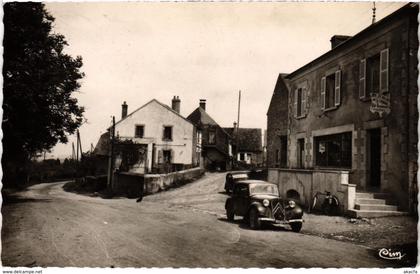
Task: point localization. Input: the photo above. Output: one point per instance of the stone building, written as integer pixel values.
(346, 122)
(216, 147)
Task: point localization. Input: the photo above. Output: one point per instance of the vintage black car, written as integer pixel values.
(233, 177)
(259, 201)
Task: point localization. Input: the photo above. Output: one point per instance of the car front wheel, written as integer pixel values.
(254, 222)
(296, 227)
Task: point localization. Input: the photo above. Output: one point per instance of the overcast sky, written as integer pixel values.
(137, 51)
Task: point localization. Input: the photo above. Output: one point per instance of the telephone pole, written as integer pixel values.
(111, 155)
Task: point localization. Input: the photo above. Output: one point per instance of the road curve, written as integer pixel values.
(185, 227)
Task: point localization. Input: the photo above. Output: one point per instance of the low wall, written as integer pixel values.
(157, 182)
(308, 182)
(134, 184)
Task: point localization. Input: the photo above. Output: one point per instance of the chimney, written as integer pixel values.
(124, 108)
(338, 39)
(176, 104)
(203, 104)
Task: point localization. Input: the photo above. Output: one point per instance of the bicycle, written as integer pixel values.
(330, 205)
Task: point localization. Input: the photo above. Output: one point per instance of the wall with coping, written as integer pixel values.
(131, 184)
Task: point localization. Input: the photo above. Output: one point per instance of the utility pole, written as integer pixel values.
(237, 127)
(77, 147)
(239, 107)
(111, 155)
(79, 143)
(73, 153)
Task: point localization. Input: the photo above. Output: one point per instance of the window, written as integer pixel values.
(331, 90)
(334, 150)
(283, 151)
(212, 137)
(373, 74)
(167, 133)
(167, 156)
(241, 156)
(300, 102)
(301, 152)
(139, 131)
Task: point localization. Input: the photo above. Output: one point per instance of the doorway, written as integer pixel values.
(374, 151)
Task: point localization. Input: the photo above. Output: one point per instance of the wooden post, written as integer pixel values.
(111, 155)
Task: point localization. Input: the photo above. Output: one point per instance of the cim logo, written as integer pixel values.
(388, 254)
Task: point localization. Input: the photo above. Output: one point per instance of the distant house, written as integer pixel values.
(216, 150)
(248, 143)
(154, 138)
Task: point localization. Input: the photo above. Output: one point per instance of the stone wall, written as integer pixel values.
(308, 182)
(131, 185)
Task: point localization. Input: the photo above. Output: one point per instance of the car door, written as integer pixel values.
(242, 195)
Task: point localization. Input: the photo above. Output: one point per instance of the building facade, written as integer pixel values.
(247, 146)
(351, 112)
(154, 138)
(214, 142)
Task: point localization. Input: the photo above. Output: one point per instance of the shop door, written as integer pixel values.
(374, 159)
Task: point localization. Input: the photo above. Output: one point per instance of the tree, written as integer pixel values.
(39, 80)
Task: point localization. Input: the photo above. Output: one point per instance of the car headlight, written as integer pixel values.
(266, 203)
(292, 204)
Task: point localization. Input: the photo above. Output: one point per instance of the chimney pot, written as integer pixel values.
(336, 40)
(176, 104)
(203, 103)
(124, 109)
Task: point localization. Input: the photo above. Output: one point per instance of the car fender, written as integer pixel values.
(260, 208)
(228, 201)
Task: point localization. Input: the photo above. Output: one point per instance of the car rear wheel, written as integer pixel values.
(254, 222)
(229, 213)
(296, 227)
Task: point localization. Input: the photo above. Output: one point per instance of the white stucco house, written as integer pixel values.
(154, 138)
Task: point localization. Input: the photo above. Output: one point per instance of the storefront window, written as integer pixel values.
(334, 150)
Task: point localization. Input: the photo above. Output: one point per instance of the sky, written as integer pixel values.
(137, 51)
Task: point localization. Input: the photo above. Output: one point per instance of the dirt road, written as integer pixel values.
(184, 227)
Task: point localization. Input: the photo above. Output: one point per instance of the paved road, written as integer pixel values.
(184, 227)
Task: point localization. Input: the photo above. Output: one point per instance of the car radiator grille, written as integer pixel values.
(276, 208)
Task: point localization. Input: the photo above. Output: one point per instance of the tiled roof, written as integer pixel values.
(103, 145)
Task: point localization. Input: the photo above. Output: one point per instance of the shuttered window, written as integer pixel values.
(303, 103)
(383, 76)
(331, 90)
(337, 89)
(300, 102)
(295, 103)
(362, 79)
(323, 92)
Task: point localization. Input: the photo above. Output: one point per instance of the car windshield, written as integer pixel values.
(263, 189)
(239, 176)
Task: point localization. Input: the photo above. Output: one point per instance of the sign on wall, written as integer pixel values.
(381, 103)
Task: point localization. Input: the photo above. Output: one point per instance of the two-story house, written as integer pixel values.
(154, 138)
(216, 149)
(346, 122)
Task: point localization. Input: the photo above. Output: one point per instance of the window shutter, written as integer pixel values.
(323, 93)
(296, 103)
(362, 79)
(383, 76)
(337, 97)
(303, 103)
